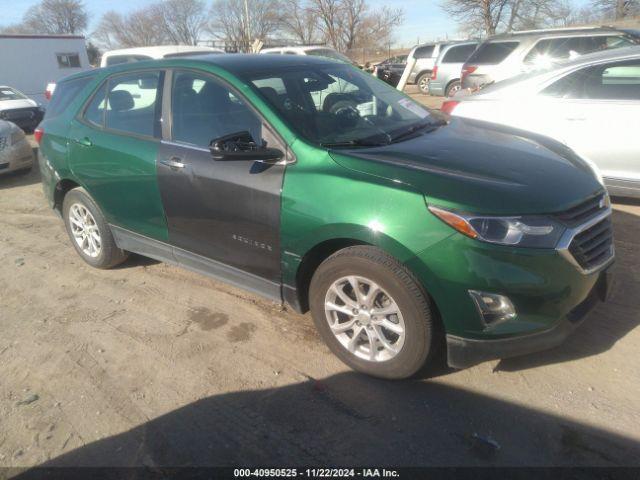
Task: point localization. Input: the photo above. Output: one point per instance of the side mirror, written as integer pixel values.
(242, 146)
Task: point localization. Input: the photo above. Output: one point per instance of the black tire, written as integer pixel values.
(452, 88)
(423, 82)
(109, 255)
(413, 302)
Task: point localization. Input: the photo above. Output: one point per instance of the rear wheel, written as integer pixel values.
(423, 82)
(89, 232)
(452, 88)
(372, 313)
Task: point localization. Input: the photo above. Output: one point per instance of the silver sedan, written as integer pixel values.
(592, 104)
(16, 153)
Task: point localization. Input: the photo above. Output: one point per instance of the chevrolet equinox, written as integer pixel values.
(312, 183)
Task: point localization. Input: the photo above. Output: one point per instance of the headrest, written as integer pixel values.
(120, 101)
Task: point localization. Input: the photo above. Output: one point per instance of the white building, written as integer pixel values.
(29, 62)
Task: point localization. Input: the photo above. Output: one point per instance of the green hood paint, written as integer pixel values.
(481, 167)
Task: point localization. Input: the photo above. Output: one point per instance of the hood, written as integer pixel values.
(481, 167)
(19, 103)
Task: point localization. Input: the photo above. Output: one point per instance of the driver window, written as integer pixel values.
(203, 109)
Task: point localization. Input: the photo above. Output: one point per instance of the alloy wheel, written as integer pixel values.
(364, 318)
(424, 84)
(85, 230)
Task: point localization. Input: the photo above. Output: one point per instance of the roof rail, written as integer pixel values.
(562, 29)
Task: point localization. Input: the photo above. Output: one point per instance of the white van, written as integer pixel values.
(129, 55)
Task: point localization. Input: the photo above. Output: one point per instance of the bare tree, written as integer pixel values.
(300, 21)
(53, 17)
(531, 14)
(183, 20)
(230, 22)
(376, 29)
(483, 15)
(617, 9)
(328, 13)
(143, 27)
(347, 24)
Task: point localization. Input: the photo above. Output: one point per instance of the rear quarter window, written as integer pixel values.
(424, 52)
(458, 54)
(64, 94)
(492, 53)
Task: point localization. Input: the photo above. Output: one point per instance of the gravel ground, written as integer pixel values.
(151, 365)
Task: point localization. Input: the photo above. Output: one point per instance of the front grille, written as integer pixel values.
(580, 213)
(594, 246)
(3, 143)
(4, 166)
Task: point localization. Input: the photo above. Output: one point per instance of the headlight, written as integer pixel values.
(526, 231)
(16, 136)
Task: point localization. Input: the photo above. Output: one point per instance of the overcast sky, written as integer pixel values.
(424, 19)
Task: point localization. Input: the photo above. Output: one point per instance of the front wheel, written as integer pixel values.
(452, 88)
(89, 232)
(372, 313)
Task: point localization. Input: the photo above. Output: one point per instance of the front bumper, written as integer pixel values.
(16, 157)
(465, 352)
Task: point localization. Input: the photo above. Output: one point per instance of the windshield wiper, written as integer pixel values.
(375, 140)
(430, 125)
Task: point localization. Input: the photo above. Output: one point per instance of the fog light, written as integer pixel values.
(493, 308)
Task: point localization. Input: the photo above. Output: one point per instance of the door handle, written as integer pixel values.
(576, 119)
(174, 163)
(84, 141)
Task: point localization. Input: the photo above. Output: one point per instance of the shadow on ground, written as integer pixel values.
(349, 419)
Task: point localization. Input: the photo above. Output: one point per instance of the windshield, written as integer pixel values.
(7, 93)
(338, 105)
(328, 53)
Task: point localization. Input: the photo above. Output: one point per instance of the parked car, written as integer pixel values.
(592, 104)
(313, 50)
(445, 76)
(425, 56)
(391, 69)
(16, 154)
(16, 107)
(136, 54)
(397, 229)
(505, 56)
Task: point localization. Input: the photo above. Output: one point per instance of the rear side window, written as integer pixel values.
(94, 113)
(614, 81)
(64, 94)
(567, 47)
(458, 54)
(424, 52)
(558, 49)
(134, 102)
(492, 53)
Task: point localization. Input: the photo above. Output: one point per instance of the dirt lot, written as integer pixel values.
(150, 365)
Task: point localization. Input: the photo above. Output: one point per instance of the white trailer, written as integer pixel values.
(29, 62)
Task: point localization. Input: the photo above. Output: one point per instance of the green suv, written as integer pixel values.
(312, 183)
